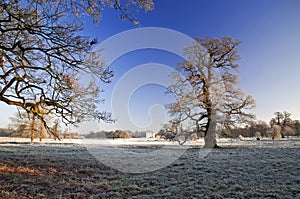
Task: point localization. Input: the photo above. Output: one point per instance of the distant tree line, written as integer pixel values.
(266, 130)
(25, 125)
(25, 132)
(287, 126)
(5, 132)
(115, 134)
(108, 134)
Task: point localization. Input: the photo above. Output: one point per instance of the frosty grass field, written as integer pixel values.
(248, 169)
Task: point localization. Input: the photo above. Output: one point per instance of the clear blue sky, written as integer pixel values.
(270, 50)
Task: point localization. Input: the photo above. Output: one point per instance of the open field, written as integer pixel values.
(238, 170)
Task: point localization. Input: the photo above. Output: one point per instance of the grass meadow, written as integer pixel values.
(251, 169)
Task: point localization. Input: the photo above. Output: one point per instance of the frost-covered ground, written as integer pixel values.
(240, 169)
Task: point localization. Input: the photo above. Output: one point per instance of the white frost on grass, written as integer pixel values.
(248, 169)
(17, 140)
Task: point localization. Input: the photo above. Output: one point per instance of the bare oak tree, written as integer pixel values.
(206, 90)
(42, 54)
(26, 124)
(284, 123)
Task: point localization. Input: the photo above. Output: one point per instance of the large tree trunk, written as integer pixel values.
(210, 140)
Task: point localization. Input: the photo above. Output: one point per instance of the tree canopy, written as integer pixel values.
(206, 89)
(42, 54)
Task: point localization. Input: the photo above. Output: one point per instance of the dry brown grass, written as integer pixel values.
(19, 169)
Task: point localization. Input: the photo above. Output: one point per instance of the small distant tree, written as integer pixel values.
(277, 120)
(289, 130)
(121, 134)
(22, 125)
(56, 129)
(262, 127)
(297, 127)
(277, 132)
(281, 118)
(283, 122)
(28, 125)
